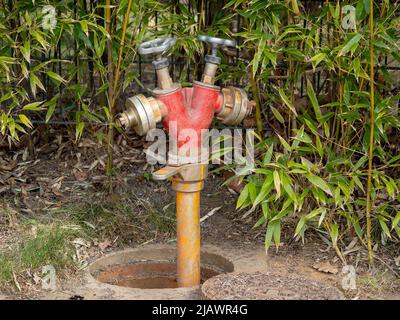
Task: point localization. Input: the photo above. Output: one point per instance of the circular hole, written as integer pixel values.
(152, 269)
(148, 275)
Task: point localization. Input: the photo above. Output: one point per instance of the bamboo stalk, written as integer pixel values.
(257, 100)
(372, 129)
(114, 90)
(254, 88)
(110, 133)
(292, 125)
(122, 46)
(201, 17)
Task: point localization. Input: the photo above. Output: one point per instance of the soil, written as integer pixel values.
(37, 184)
(267, 286)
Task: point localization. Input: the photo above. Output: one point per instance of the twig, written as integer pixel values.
(210, 214)
(16, 281)
(388, 266)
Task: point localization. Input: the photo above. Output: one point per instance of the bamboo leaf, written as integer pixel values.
(295, 7)
(396, 220)
(79, 130)
(277, 183)
(287, 186)
(56, 77)
(319, 182)
(269, 233)
(277, 115)
(349, 45)
(384, 226)
(34, 106)
(313, 99)
(24, 119)
(50, 110)
(277, 234)
(315, 213)
(268, 155)
(39, 38)
(286, 100)
(26, 51)
(265, 189)
(84, 26)
(300, 226)
(284, 143)
(242, 197)
(334, 233)
(316, 60)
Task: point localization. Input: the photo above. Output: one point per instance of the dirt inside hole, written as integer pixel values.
(149, 275)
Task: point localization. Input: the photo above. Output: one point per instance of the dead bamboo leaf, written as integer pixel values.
(104, 245)
(8, 166)
(210, 213)
(326, 267)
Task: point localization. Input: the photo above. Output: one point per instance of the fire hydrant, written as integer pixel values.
(181, 109)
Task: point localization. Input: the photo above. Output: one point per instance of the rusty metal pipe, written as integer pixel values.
(188, 238)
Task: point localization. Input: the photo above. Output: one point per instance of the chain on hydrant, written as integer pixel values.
(181, 109)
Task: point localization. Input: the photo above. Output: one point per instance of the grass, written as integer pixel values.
(5, 269)
(379, 283)
(50, 246)
(132, 220)
(47, 245)
(48, 239)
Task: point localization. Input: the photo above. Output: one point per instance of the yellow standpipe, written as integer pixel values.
(188, 238)
(187, 182)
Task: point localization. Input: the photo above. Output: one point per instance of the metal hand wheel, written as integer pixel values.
(217, 42)
(156, 46)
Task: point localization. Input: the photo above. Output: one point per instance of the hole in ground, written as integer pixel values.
(148, 275)
(152, 269)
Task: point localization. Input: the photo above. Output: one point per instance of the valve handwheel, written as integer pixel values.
(157, 46)
(217, 42)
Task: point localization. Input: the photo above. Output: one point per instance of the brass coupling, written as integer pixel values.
(236, 106)
(142, 114)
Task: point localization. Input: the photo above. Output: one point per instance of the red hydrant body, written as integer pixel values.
(190, 108)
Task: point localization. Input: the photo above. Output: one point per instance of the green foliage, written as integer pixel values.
(40, 66)
(314, 166)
